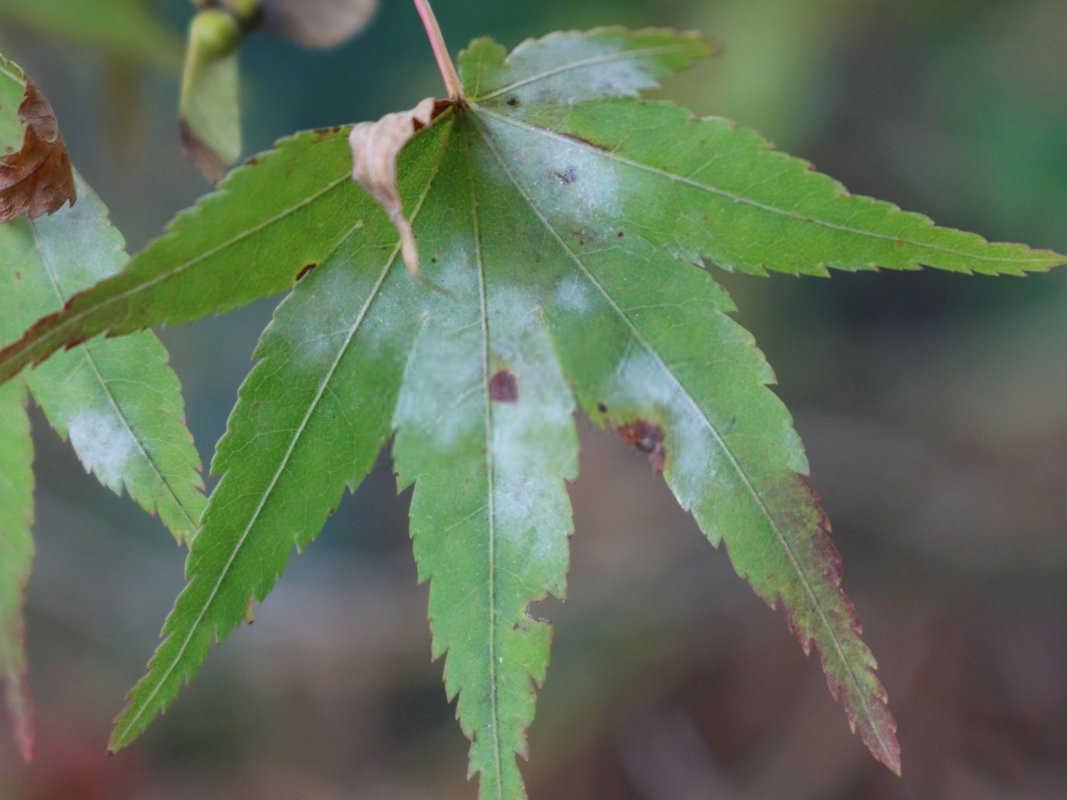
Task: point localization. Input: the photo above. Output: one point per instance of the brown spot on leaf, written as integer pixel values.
(304, 271)
(603, 409)
(251, 162)
(648, 438)
(324, 133)
(513, 101)
(503, 388)
(38, 179)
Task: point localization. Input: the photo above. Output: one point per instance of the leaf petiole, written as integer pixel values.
(440, 51)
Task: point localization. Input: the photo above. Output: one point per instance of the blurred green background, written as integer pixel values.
(934, 408)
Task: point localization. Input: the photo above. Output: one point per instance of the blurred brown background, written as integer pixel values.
(934, 408)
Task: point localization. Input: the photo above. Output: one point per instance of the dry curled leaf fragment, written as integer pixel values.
(375, 146)
(37, 179)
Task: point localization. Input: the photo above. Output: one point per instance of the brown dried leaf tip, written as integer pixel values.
(375, 146)
(648, 438)
(38, 179)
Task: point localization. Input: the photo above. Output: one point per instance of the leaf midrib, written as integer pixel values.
(490, 469)
(611, 155)
(746, 480)
(145, 705)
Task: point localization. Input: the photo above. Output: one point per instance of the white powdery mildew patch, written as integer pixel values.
(574, 294)
(564, 178)
(103, 444)
(606, 78)
(533, 442)
(396, 308)
(693, 452)
(316, 318)
(78, 243)
(443, 390)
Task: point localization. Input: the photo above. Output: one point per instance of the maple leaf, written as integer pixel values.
(35, 178)
(117, 401)
(573, 227)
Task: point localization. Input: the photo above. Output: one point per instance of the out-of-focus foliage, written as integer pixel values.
(130, 29)
(209, 110)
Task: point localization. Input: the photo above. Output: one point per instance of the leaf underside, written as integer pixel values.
(569, 223)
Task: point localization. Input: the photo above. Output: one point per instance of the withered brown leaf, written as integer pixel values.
(37, 179)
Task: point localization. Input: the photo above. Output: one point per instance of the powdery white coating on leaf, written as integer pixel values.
(103, 445)
(375, 146)
(573, 294)
(126, 379)
(442, 382)
(525, 477)
(643, 347)
(314, 345)
(573, 182)
(625, 77)
(83, 228)
(642, 382)
(571, 66)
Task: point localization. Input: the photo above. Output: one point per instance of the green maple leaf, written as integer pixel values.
(572, 228)
(117, 401)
